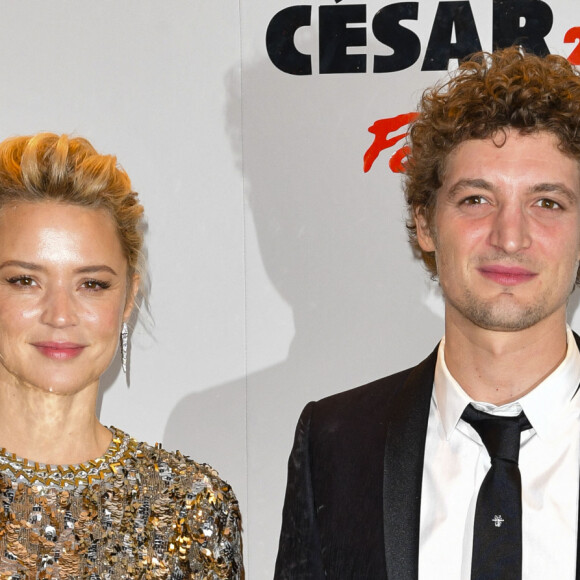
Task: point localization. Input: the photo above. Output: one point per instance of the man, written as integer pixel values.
(385, 481)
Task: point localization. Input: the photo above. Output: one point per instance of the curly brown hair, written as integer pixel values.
(488, 93)
(49, 167)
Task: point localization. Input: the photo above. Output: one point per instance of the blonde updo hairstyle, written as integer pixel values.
(49, 167)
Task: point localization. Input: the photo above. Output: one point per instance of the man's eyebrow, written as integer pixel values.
(556, 188)
(484, 185)
(469, 183)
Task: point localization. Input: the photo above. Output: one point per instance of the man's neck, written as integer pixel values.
(501, 367)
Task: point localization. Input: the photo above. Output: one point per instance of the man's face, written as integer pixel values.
(506, 231)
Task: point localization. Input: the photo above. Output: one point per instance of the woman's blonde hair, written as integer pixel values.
(49, 167)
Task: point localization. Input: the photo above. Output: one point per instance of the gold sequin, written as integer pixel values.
(137, 512)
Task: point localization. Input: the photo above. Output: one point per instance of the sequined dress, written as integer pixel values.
(136, 512)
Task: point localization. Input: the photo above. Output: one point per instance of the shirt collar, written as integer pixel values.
(544, 406)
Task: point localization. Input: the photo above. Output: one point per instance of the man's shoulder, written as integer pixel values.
(381, 389)
(371, 403)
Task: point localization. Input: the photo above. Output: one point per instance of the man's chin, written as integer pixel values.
(501, 318)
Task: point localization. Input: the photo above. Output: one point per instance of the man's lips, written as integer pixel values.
(507, 275)
(59, 350)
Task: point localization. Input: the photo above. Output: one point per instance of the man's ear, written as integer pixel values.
(424, 233)
(132, 292)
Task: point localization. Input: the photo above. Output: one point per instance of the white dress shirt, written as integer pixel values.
(456, 462)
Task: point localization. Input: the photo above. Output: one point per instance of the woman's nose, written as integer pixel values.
(59, 308)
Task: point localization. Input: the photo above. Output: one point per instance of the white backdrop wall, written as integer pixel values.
(280, 271)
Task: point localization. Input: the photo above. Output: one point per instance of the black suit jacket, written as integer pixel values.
(353, 497)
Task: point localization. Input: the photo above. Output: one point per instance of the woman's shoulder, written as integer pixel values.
(174, 464)
(208, 515)
(173, 467)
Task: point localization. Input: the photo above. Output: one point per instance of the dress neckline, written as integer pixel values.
(69, 477)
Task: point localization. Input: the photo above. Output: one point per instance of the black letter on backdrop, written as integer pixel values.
(280, 40)
(388, 30)
(335, 38)
(538, 20)
(440, 48)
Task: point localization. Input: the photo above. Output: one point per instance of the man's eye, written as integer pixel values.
(549, 204)
(474, 200)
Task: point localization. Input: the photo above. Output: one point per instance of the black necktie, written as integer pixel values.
(497, 530)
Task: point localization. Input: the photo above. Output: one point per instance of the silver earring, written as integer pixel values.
(124, 346)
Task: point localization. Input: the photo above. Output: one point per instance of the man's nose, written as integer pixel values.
(510, 230)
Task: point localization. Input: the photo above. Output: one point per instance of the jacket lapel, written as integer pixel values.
(403, 471)
(578, 530)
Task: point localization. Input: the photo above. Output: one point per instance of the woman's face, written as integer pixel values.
(63, 295)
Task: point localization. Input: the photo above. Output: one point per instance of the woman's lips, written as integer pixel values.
(59, 350)
(506, 275)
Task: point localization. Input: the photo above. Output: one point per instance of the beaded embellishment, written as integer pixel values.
(138, 512)
(70, 476)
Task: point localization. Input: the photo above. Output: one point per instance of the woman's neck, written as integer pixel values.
(50, 428)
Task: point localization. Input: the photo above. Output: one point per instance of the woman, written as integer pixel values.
(81, 500)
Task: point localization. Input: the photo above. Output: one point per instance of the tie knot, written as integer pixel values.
(500, 435)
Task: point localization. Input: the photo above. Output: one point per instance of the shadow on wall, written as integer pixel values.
(335, 250)
(573, 304)
(107, 380)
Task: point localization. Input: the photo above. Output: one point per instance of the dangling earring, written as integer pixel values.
(124, 346)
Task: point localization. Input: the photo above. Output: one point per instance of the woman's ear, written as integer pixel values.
(132, 292)
(425, 236)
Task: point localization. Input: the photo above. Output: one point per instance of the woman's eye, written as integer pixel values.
(21, 281)
(96, 285)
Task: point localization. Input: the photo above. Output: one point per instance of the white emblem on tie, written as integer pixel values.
(498, 521)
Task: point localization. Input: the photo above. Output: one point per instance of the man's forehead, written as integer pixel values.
(512, 152)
